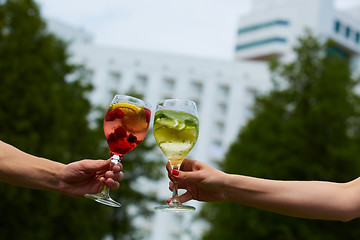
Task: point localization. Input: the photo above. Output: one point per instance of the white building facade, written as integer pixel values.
(272, 28)
(221, 89)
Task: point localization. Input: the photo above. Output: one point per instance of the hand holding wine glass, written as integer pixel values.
(176, 129)
(125, 126)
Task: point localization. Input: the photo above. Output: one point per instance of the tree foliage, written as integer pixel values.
(305, 128)
(44, 111)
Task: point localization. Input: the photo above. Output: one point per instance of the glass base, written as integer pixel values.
(175, 208)
(103, 199)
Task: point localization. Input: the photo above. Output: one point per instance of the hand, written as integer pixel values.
(202, 182)
(89, 176)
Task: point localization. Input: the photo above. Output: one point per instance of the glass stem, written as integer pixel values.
(115, 159)
(105, 191)
(175, 195)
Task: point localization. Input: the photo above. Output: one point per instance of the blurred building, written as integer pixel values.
(221, 89)
(272, 28)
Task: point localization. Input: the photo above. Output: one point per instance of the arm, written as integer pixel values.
(75, 179)
(306, 199)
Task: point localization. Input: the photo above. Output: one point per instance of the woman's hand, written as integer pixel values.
(202, 182)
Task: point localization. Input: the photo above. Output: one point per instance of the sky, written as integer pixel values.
(203, 28)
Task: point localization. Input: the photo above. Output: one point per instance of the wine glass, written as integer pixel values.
(125, 126)
(176, 129)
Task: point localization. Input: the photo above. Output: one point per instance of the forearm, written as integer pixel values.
(22, 169)
(307, 199)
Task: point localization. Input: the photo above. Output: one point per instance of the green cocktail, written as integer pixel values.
(176, 134)
(176, 129)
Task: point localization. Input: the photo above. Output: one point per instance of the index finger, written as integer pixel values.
(117, 168)
(187, 164)
(168, 167)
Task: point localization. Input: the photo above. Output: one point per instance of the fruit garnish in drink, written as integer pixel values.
(112, 115)
(125, 105)
(147, 115)
(125, 126)
(176, 133)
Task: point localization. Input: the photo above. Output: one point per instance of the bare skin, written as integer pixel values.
(74, 179)
(305, 199)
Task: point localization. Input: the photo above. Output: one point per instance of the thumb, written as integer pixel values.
(95, 165)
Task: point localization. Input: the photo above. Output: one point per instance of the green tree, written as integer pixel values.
(305, 128)
(44, 111)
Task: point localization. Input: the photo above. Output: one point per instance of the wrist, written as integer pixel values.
(227, 187)
(220, 186)
(234, 187)
(54, 176)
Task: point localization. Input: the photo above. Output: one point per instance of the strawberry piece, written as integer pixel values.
(132, 139)
(110, 116)
(147, 115)
(117, 135)
(111, 138)
(118, 113)
(120, 147)
(120, 132)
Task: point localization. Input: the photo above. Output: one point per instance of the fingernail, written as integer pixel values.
(168, 201)
(175, 172)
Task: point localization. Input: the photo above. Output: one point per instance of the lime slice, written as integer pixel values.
(189, 135)
(180, 126)
(167, 122)
(165, 135)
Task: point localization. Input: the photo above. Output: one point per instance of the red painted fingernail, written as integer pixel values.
(168, 201)
(175, 172)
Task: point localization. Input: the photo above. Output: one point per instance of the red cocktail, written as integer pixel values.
(125, 126)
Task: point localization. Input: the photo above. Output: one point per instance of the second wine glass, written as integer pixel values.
(176, 129)
(125, 126)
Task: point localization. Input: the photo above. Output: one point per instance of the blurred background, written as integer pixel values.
(275, 82)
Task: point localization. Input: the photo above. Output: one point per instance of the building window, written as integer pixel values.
(261, 42)
(337, 26)
(169, 84)
(224, 91)
(220, 127)
(278, 22)
(115, 77)
(347, 32)
(141, 80)
(196, 87)
(357, 38)
(222, 108)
